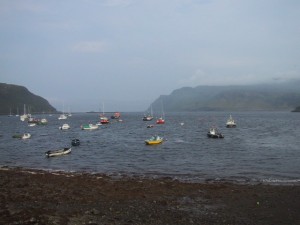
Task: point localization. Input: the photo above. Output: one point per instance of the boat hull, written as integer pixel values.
(60, 152)
(156, 142)
(231, 125)
(215, 135)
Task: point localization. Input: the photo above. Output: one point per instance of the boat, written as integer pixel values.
(230, 123)
(214, 133)
(59, 152)
(103, 119)
(25, 116)
(154, 140)
(116, 115)
(148, 117)
(43, 121)
(89, 126)
(161, 120)
(75, 142)
(26, 136)
(22, 136)
(62, 117)
(65, 126)
(150, 126)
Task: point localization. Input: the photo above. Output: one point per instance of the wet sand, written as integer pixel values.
(40, 197)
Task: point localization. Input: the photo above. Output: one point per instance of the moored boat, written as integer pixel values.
(104, 120)
(89, 126)
(22, 136)
(116, 115)
(154, 140)
(59, 152)
(160, 121)
(62, 117)
(230, 123)
(75, 142)
(147, 118)
(43, 121)
(65, 127)
(214, 133)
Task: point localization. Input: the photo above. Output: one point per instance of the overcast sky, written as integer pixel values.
(125, 53)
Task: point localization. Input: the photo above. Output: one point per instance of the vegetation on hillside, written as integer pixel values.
(14, 97)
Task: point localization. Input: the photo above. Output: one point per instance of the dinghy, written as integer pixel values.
(59, 152)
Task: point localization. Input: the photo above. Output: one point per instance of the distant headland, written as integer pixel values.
(14, 98)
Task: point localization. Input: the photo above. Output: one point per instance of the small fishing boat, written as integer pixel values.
(116, 115)
(59, 152)
(154, 140)
(75, 142)
(214, 133)
(104, 120)
(89, 126)
(43, 121)
(150, 126)
(160, 121)
(62, 117)
(230, 123)
(22, 136)
(147, 118)
(65, 127)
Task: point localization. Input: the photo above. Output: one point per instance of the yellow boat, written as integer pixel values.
(154, 140)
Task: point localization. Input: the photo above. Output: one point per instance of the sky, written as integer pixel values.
(123, 54)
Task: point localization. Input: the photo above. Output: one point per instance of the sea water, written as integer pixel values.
(264, 147)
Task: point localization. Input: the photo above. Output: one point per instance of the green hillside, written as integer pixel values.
(13, 98)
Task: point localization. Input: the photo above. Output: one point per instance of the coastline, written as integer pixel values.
(41, 197)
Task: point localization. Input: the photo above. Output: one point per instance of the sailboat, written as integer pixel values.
(63, 116)
(17, 112)
(9, 113)
(161, 120)
(24, 116)
(149, 117)
(103, 118)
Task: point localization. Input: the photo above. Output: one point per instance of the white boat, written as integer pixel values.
(65, 126)
(25, 116)
(148, 117)
(214, 133)
(89, 126)
(22, 136)
(62, 117)
(44, 121)
(230, 123)
(26, 136)
(59, 152)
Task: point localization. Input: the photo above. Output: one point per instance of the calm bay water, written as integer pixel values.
(265, 146)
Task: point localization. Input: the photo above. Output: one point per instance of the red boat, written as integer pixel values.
(103, 119)
(160, 121)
